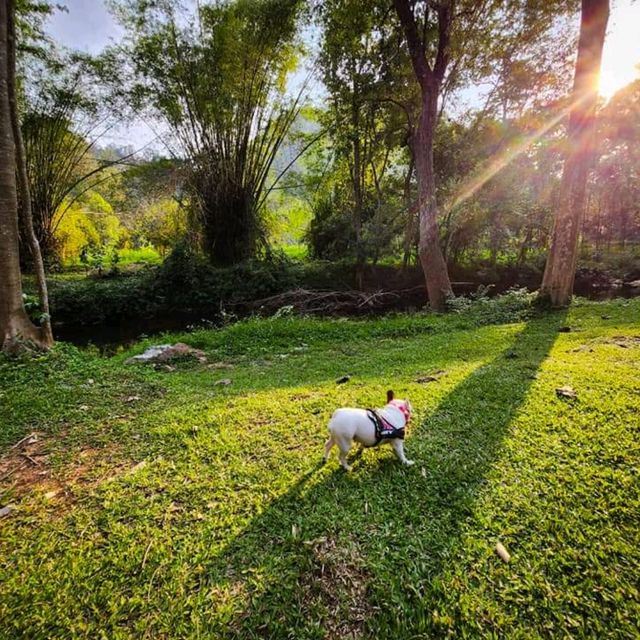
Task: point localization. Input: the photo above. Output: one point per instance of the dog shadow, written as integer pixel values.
(347, 554)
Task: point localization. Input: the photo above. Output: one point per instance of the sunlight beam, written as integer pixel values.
(476, 182)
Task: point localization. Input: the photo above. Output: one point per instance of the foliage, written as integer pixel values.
(516, 305)
(330, 234)
(614, 215)
(145, 255)
(194, 509)
(74, 232)
(218, 82)
(33, 309)
(60, 126)
(185, 284)
(360, 61)
(162, 224)
(287, 219)
(88, 230)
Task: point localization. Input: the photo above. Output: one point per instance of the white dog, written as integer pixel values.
(369, 428)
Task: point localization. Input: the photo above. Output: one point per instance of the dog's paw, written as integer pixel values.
(408, 463)
(347, 467)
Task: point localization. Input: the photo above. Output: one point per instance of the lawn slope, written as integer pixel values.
(163, 505)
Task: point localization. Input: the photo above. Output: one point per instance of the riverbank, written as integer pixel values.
(118, 308)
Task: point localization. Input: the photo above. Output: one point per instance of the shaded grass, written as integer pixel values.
(232, 530)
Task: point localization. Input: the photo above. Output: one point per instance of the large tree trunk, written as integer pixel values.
(431, 258)
(14, 321)
(559, 274)
(430, 81)
(23, 183)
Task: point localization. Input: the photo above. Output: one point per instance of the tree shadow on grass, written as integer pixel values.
(359, 555)
(346, 555)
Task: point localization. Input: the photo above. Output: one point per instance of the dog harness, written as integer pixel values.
(384, 429)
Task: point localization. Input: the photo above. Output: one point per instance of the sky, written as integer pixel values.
(87, 25)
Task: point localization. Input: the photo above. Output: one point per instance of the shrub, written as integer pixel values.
(515, 305)
(184, 284)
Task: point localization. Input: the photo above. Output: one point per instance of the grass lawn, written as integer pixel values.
(145, 255)
(161, 505)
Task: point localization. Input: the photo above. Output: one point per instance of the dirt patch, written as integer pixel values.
(337, 582)
(625, 342)
(27, 468)
(25, 465)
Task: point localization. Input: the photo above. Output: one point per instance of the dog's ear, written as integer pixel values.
(389, 396)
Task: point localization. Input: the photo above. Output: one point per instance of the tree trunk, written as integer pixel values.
(23, 184)
(559, 274)
(430, 80)
(14, 321)
(410, 226)
(357, 188)
(431, 258)
(524, 247)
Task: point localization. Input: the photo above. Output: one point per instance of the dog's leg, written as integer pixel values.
(328, 445)
(398, 448)
(344, 446)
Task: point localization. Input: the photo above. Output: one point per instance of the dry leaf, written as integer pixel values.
(502, 552)
(432, 377)
(566, 392)
(138, 466)
(5, 511)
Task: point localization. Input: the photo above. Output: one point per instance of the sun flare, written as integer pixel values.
(621, 55)
(611, 82)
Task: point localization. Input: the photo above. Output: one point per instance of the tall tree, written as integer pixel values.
(457, 43)
(15, 324)
(60, 156)
(614, 211)
(430, 76)
(559, 274)
(365, 127)
(25, 189)
(217, 80)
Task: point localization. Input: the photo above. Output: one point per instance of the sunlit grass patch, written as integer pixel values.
(204, 512)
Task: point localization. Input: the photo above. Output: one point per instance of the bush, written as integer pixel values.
(330, 233)
(185, 284)
(516, 305)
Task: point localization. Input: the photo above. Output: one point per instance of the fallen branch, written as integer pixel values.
(31, 435)
(30, 459)
(12, 471)
(331, 302)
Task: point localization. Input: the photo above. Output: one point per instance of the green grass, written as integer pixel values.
(295, 251)
(233, 530)
(145, 255)
(126, 257)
